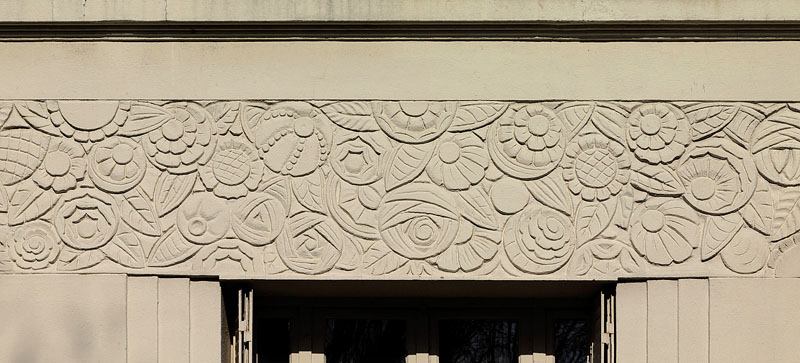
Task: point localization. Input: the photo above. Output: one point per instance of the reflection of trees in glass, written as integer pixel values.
(571, 341)
(365, 341)
(478, 341)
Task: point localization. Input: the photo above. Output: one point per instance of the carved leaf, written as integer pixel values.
(137, 211)
(3, 200)
(718, 232)
(380, 260)
(29, 202)
(144, 117)
(576, 114)
(582, 262)
(225, 115)
(706, 119)
(475, 206)
(741, 128)
(470, 116)
(171, 190)
(74, 260)
(786, 220)
(608, 120)
(593, 217)
(551, 191)
(625, 208)
(171, 249)
(747, 253)
(406, 162)
(758, 212)
(656, 179)
(37, 115)
(278, 186)
(352, 115)
(351, 255)
(126, 249)
(5, 111)
(308, 191)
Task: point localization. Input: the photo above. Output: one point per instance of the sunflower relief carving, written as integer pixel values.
(400, 189)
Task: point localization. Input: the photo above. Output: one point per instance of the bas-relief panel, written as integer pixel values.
(373, 189)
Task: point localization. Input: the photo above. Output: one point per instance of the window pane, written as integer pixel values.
(272, 341)
(365, 341)
(571, 341)
(478, 341)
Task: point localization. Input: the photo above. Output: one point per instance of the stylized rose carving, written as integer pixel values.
(664, 230)
(117, 164)
(203, 218)
(596, 167)
(539, 240)
(21, 153)
(63, 166)
(418, 220)
(719, 176)
(527, 142)
(293, 138)
(234, 169)
(356, 157)
(259, 219)
(34, 246)
(776, 147)
(88, 120)
(314, 245)
(472, 248)
(658, 132)
(184, 141)
(86, 219)
(414, 121)
(459, 161)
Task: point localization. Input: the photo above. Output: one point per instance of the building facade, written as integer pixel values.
(222, 181)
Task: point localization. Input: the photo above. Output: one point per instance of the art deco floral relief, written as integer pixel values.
(400, 189)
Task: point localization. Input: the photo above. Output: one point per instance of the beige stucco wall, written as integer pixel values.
(117, 318)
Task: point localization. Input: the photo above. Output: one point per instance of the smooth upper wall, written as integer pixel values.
(410, 70)
(394, 10)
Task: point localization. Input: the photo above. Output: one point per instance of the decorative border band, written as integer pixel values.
(400, 189)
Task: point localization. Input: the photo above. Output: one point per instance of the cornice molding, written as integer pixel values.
(401, 190)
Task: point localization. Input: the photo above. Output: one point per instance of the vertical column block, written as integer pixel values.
(662, 321)
(693, 320)
(631, 324)
(142, 319)
(173, 320)
(205, 306)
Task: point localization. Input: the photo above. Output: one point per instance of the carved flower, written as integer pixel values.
(473, 247)
(234, 169)
(117, 164)
(184, 141)
(658, 132)
(595, 167)
(314, 246)
(776, 147)
(527, 142)
(259, 219)
(86, 219)
(356, 157)
(539, 240)
(664, 231)
(719, 176)
(418, 220)
(414, 121)
(293, 138)
(63, 166)
(203, 218)
(459, 161)
(21, 153)
(88, 120)
(35, 246)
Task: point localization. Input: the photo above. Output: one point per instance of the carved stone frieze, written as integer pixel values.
(400, 189)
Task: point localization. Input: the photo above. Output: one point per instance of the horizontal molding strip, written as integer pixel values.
(355, 31)
(528, 190)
